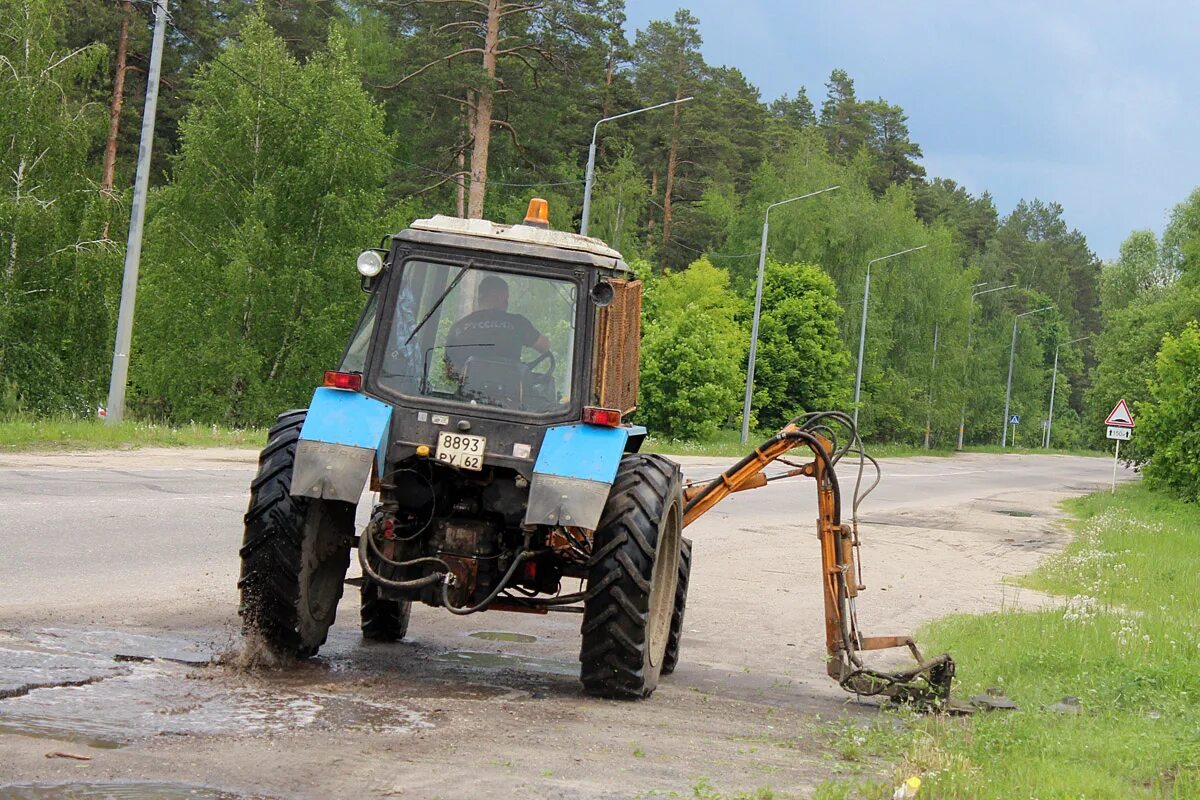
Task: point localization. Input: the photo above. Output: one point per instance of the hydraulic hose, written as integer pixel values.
(417, 583)
(520, 558)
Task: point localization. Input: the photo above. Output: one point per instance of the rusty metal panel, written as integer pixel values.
(618, 347)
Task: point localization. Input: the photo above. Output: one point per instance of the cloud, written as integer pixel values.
(1086, 102)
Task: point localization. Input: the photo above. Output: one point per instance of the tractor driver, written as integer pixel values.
(490, 332)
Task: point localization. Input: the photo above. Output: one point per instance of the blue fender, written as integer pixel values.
(574, 472)
(342, 433)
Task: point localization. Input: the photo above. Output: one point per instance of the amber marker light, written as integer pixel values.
(538, 215)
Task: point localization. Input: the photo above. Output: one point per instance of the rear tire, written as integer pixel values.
(295, 552)
(383, 619)
(671, 658)
(632, 577)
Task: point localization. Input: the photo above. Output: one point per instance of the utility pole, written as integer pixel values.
(137, 216)
(1012, 351)
(1053, 387)
(862, 331)
(762, 263)
(962, 419)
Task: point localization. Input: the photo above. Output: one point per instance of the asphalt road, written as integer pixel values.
(118, 574)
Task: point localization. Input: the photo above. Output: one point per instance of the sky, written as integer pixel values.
(1090, 104)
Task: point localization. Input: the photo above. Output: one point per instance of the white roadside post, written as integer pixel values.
(1120, 428)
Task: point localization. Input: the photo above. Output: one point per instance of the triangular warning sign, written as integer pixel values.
(1120, 417)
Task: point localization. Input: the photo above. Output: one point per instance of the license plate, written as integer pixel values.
(461, 450)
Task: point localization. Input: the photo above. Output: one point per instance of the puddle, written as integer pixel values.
(494, 661)
(503, 636)
(115, 791)
(1015, 513)
(110, 689)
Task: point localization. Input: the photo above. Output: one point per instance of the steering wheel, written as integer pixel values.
(542, 380)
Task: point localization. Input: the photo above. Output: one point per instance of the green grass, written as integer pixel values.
(727, 444)
(1037, 451)
(1127, 644)
(23, 435)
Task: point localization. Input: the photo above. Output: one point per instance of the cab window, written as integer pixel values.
(477, 336)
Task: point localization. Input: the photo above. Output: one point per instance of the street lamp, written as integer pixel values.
(962, 420)
(115, 410)
(862, 332)
(1012, 350)
(591, 165)
(1053, 386)
(762, 261)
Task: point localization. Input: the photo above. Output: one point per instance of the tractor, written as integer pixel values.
(484, 399)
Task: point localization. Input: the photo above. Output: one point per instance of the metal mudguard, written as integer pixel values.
(342, 433)
(574, 472)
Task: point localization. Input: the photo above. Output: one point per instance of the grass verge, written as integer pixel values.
(727, 444)
(81, 434)
(1126, 643)
(84, 434)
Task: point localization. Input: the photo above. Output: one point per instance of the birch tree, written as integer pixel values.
(250, 289)
(46, 129)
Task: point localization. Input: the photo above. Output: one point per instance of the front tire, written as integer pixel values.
(632, 579)
(295, 553)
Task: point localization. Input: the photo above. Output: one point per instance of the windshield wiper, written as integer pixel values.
(438, 304)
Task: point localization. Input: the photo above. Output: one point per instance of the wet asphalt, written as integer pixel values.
(118, 625)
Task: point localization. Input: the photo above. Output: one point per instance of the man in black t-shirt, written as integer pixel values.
(490, 332)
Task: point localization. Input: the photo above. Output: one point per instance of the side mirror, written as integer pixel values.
(602, 293)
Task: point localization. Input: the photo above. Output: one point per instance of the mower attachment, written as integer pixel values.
(927, 685)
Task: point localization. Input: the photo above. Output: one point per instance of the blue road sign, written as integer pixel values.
(1015, 419)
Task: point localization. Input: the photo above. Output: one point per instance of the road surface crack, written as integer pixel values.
(25, 688)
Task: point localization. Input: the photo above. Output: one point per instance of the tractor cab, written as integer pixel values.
(477, 331)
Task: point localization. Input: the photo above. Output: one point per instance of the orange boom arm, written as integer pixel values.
(929, 682)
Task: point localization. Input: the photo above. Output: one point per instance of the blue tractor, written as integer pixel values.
(484, 396)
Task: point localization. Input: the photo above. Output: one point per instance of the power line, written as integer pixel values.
(675, 240)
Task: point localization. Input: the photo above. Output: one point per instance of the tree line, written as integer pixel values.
(292, 135)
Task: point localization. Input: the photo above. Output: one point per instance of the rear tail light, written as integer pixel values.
(608, 417)
(343, 380)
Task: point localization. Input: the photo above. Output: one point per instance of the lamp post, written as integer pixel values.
(1012, 351)
(115, 410)
(962, 419)
(758, 290)
(1053, 386)
(591, 165)
(862, 331)
(932, 374)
